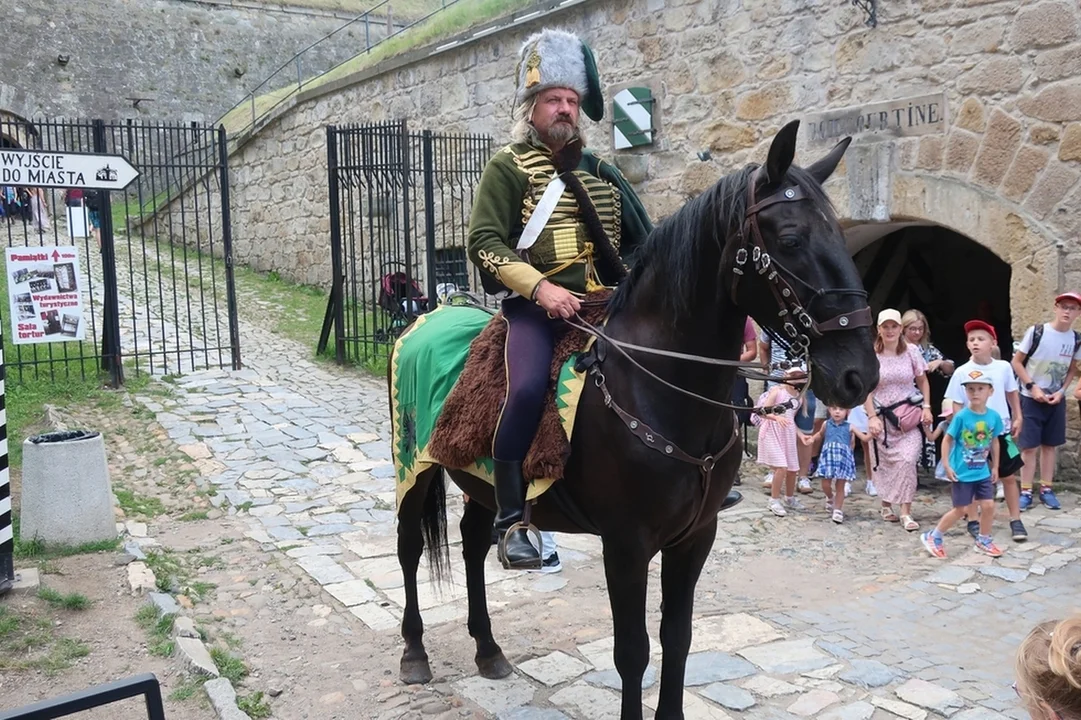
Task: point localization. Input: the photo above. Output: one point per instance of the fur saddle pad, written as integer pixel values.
(466, 426)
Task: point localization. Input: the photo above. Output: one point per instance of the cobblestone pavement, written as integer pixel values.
(796, 617)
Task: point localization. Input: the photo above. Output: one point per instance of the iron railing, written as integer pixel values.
(156, 274)
(399, 214)
(145, 685)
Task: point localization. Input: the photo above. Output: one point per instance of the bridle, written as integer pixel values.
(798, 323)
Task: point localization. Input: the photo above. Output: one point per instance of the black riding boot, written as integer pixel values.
(515, 551)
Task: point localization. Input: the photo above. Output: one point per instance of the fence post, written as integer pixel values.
(110, 335)
(335, 304)
(429, 216)
(407, 226)
(7, 537)
(227, 247)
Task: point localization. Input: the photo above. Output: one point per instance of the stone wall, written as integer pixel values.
(186, 60)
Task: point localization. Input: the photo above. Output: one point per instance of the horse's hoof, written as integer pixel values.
(416, 672)
(495, 667)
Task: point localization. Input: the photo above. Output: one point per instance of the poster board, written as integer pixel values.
(44, 298)
(78, 222)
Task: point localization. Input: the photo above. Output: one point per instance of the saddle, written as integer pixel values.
(466, 426)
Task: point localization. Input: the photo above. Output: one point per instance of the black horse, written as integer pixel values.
(763, 241)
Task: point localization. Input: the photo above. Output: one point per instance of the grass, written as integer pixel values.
(194, 515)
(137, 506)
(255, 705)
(28, 642)
(188, 688)
(230, 666)
(35, 549)
(159, 631)
(302, 307)
(456, 18)
(71, 601)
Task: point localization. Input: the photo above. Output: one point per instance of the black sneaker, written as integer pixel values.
(1018, 530)
(973, 528)
(551, 564)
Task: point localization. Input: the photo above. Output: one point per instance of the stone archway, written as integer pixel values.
(16, 131)
(910, 200)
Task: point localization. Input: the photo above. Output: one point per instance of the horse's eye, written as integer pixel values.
(790, 241)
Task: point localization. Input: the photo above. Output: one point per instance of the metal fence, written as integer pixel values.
(156, 274)
(399, 212)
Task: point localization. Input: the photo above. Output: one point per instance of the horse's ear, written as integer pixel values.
(781, 152)
(821, 169)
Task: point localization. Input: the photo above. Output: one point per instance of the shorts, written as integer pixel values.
(805, 414)
(966, 493)
(1043, 425)
(95, 218)
(1008, 466)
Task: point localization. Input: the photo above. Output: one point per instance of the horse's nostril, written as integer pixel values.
(853, 383)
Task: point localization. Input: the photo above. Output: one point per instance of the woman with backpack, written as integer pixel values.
(896, 412)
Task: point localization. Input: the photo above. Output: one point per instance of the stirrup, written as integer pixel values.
(730, 502)
(501, 548)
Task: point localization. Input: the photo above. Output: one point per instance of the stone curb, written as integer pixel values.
(222, 697)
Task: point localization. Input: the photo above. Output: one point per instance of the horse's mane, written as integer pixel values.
(674, 247)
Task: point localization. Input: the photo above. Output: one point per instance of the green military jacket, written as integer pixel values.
(510, 188)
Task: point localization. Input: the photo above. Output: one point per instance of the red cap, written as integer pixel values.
(1075, 297)
(981, 325)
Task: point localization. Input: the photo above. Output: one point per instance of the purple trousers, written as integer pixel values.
(530, 341)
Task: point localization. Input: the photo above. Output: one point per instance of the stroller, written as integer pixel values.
(401, 299)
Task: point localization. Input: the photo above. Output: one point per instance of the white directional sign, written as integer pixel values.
(37, 168)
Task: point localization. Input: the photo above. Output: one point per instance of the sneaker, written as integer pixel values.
(988, 547)
(1047, 497)
(1026, 500)
(804, 486)
(777, 508)
(1017, 528)
(973, 528)
(932, 545)
(793, 503)
(870, 488)
(1000, 492)
(768, 482)
(551, 564)
(838, 516)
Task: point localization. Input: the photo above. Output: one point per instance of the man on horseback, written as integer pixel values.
(550, 223)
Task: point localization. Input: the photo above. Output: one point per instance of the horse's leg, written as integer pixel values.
(680, 567)
(476, 527)
(414, 666)
(626, 567)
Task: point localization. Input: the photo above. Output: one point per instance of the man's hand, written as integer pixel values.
(1015, 427)
(1038, 394)
(558, 302)
(1054, 398)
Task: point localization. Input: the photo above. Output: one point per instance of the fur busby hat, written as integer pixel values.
(554, 58)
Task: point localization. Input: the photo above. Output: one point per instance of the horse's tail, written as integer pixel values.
(433, 523)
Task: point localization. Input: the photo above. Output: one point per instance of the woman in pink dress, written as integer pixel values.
(901, 370)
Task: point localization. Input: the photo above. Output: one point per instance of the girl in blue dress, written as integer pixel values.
(836, 464)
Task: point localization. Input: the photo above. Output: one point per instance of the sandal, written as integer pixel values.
(909, 524)
(889, 515)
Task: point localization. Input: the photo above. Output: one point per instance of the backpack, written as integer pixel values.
(1037, 335)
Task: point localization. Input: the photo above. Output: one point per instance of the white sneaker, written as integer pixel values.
(1000, 493)
(777, 508)
(804, 486)
(793, 503)
(838, 517)
(871, 489)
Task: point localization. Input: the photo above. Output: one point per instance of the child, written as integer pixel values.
(972, 452)
(777, 445)
(836, 463)
(981, 339)
(1048, 670)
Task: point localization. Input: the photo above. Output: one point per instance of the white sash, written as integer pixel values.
(543, 211)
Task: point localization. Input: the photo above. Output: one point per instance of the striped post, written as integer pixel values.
(7, 538)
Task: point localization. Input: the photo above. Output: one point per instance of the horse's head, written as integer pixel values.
(792, 272)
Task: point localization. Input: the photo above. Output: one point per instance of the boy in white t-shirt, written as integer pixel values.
(1046, 363)
(1004, 399)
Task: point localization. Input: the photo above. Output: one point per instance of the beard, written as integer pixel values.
(560, 131)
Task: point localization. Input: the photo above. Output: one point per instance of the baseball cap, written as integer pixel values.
(947, 408)
(889, 314)
(975, 377)
(1072, 296)
(981, 325)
